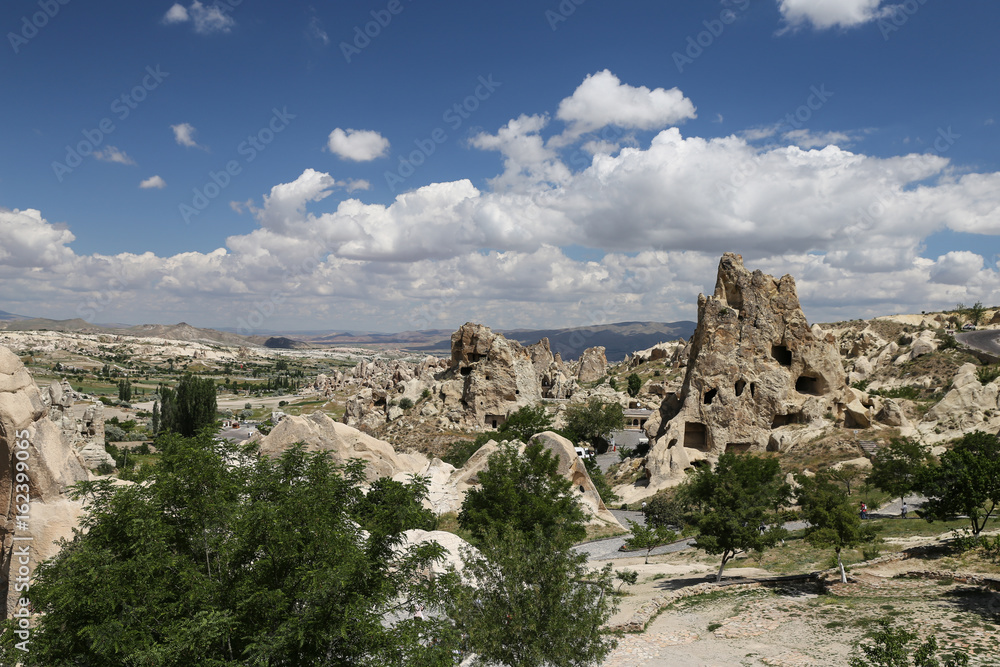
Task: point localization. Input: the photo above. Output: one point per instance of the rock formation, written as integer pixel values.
(756, 370)
(82, 426)
(447, 484)
(29, 437)
(593, 365)
(486, 378)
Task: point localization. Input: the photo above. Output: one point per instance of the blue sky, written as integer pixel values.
(271, 166)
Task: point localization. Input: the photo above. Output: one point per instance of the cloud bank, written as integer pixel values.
(578, 227)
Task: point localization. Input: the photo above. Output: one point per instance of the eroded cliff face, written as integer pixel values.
(37, 465)
(755, 375)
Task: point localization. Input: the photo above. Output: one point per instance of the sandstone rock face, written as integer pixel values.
(321, 433)
(755, 372)
(447, 484)
(968, 405)
(593, 365)
(27, 436)
(571, 467)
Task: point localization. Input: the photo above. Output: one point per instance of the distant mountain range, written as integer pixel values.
(619, 340)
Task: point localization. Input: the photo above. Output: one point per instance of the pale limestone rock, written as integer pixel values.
(755, 368)
(571, 467)
(963, 406)
(862, 462)
(52, 466)
(857, 415)
(593, 365)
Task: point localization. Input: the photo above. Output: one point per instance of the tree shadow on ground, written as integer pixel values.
(976, 600)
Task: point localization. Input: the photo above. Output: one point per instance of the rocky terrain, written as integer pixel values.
(754, 376)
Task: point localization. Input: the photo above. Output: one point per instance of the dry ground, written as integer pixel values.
(803, 624)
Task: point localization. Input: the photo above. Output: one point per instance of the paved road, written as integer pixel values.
(238, 434)
(987, 340)
(611, 547)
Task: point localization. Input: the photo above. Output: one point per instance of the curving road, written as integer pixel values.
(985, 340)
(611, 547)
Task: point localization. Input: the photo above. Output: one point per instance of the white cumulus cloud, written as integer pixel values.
(602, 100)
(113, 154)
(824, 14)
(153, 182)
(206, 18)
(357, 145)
(184, 135)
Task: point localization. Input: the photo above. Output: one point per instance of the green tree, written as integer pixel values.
(668, 508)
(966, 483)
(155, 421)
(741, 494)
(976, 312)
(634, 385)
(594, 421)
(896, 468)
(523, 491)
(833, 519)
(846, 475)
(226, 558)
(529, 601)
(890, 647)
(604, 490)
(125, 390)
(524, 423)
(648, 537)
(392, 507)
(189, 408)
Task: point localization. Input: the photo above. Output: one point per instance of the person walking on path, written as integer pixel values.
(903, 510)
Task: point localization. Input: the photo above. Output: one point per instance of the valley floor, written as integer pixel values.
(791, 625)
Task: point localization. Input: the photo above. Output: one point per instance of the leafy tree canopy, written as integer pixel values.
(742, 493)
(535, 602)
(896, 468)
(524, 423)
(190, 407)
(594, 421)
(223, 558)
(648, 537)
(833, 519)
(966, 483)
(634, 385)
(523, 491)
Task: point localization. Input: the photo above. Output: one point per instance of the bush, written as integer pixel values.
(426, 393)
(282, 404)
(947, 342)
(105, 469)
(667, 509)
(906, 391)
(460, 451)
(406, 403)
(987, 374)
(113, 433)
(246, 414)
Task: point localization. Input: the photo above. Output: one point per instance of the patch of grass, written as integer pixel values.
(448, 522)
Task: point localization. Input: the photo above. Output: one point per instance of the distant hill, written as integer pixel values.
(619, 339)
(182, 331)
(186, 332)
(7, 317)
